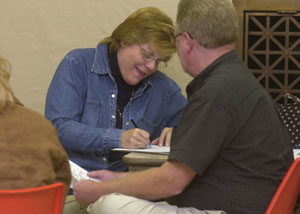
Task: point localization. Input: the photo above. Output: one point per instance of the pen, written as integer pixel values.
(136, 126)
(133, 122)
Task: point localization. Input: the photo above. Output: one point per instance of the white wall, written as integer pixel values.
(36, 34)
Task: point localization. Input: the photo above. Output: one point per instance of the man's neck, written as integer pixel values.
(208, 56)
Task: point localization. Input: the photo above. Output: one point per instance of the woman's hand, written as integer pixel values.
(165, 137)
(135, 139)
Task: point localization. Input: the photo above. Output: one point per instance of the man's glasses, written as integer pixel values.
(180, 34)
(148, 57)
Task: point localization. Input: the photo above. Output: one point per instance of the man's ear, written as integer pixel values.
(188, 42)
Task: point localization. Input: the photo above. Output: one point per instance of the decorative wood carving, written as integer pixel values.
(272, 51)
(269, 43)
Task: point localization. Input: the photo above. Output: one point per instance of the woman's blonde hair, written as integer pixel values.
(146, 25)
(7, 99)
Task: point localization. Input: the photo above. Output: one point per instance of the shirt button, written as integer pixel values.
(113, 95)
(127, 123)
(113, 116)
(104, 158)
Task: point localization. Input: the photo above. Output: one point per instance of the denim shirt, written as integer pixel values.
(81, 104)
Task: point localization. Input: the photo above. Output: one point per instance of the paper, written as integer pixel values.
(296, 153)
(152, 149)
(78, 173)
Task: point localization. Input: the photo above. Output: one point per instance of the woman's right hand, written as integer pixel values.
(135, 139)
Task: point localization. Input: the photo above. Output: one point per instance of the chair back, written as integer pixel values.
(38, 200)
(285, 198)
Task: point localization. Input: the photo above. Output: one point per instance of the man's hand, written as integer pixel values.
(165, 137)
(104, 175)
(135, 138)
(87, 192)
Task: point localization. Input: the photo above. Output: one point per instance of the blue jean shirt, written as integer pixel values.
(81, 104)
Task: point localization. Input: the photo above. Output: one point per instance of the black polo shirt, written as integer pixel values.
(231, 136)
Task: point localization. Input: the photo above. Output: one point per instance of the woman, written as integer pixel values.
(31, 154)
(95, 92)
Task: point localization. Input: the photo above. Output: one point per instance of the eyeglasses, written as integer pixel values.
(179, 34)
(149, 57)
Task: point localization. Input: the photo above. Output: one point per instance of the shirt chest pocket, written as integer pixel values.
(149, 125)
(93, 113)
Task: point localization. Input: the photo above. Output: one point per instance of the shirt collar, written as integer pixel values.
(208, 71)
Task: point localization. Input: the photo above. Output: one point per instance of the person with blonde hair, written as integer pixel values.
(229, 151)
(31, 154)
(7, 98)
(96, 91)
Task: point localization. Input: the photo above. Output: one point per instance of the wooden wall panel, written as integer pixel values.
(269, 43)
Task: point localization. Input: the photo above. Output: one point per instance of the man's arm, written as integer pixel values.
(152, 184)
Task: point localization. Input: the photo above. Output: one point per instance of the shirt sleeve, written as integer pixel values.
(64, 106)
(175, 106)
(200, 134)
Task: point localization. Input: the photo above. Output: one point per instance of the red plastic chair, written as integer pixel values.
(38, 200)
(285, 198)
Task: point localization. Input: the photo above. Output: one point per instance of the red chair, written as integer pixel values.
(285, 198)
(38, 200)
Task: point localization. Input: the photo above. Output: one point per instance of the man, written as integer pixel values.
(229, 151)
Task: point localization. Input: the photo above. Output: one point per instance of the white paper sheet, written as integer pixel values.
(296, 153)
(152, 149)
(78, 174)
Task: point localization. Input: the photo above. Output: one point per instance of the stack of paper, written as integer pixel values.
(152, 149)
